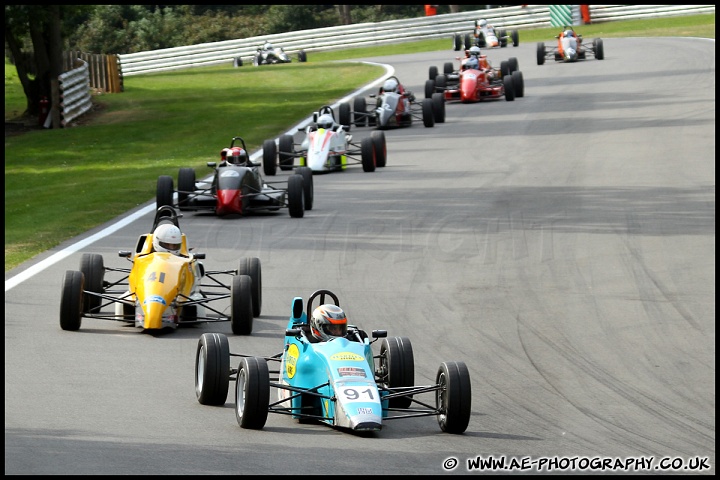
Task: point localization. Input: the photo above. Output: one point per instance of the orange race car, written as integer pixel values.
(570, 48)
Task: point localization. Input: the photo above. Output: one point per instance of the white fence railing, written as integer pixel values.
(75, 94)
(380, 33)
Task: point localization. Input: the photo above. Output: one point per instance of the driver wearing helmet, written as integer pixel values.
(167, 238)
(472, 63)
(390, 85)
(328, 322)
(481, 23)
(569, 32)
(234, 156)
(325, 121)
(482, 63)
(268, 46)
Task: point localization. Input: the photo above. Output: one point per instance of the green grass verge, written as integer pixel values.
(63, 182)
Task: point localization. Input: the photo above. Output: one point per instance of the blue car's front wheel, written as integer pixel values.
(454, 397)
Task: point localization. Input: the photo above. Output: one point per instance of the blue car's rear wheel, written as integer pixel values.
(212, 369)
(397, 368)
(252, 393)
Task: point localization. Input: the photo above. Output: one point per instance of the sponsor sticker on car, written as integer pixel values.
(155, 299)
(351, 372)
(348, 356)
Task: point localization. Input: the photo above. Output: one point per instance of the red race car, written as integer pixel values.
(476, 80)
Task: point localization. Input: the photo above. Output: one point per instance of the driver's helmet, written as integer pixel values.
(268, 46)
(325, 121)
(472, 62)
(328, 322)
(167, 238)
(236, 156)
(569, 33)
(390, 85)
(475, 51)
(482, 23)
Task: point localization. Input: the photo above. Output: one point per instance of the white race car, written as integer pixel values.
(270, 55)
(327, 146)
(486, 36)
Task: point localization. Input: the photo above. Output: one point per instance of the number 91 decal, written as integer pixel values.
(357, 395)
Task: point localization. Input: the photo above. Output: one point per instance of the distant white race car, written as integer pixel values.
(270, 55)
(486, 36)
(267, 54)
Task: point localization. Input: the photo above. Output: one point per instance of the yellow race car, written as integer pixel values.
(161, 290)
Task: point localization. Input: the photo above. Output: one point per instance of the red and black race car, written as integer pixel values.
(476, 80)
(236, 187)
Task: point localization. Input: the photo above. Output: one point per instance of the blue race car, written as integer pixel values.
(339, 382)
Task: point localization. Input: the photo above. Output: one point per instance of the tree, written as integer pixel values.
(33, 35)
(344, 14)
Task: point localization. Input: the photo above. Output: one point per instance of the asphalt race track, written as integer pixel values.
(562, 245)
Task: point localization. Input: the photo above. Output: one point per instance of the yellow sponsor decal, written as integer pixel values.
(348, 356)
(291, 359)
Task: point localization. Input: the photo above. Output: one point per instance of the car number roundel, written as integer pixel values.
(291, 358)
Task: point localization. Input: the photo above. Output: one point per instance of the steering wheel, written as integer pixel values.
(325, 109)
(321, 294)
(166, 214)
